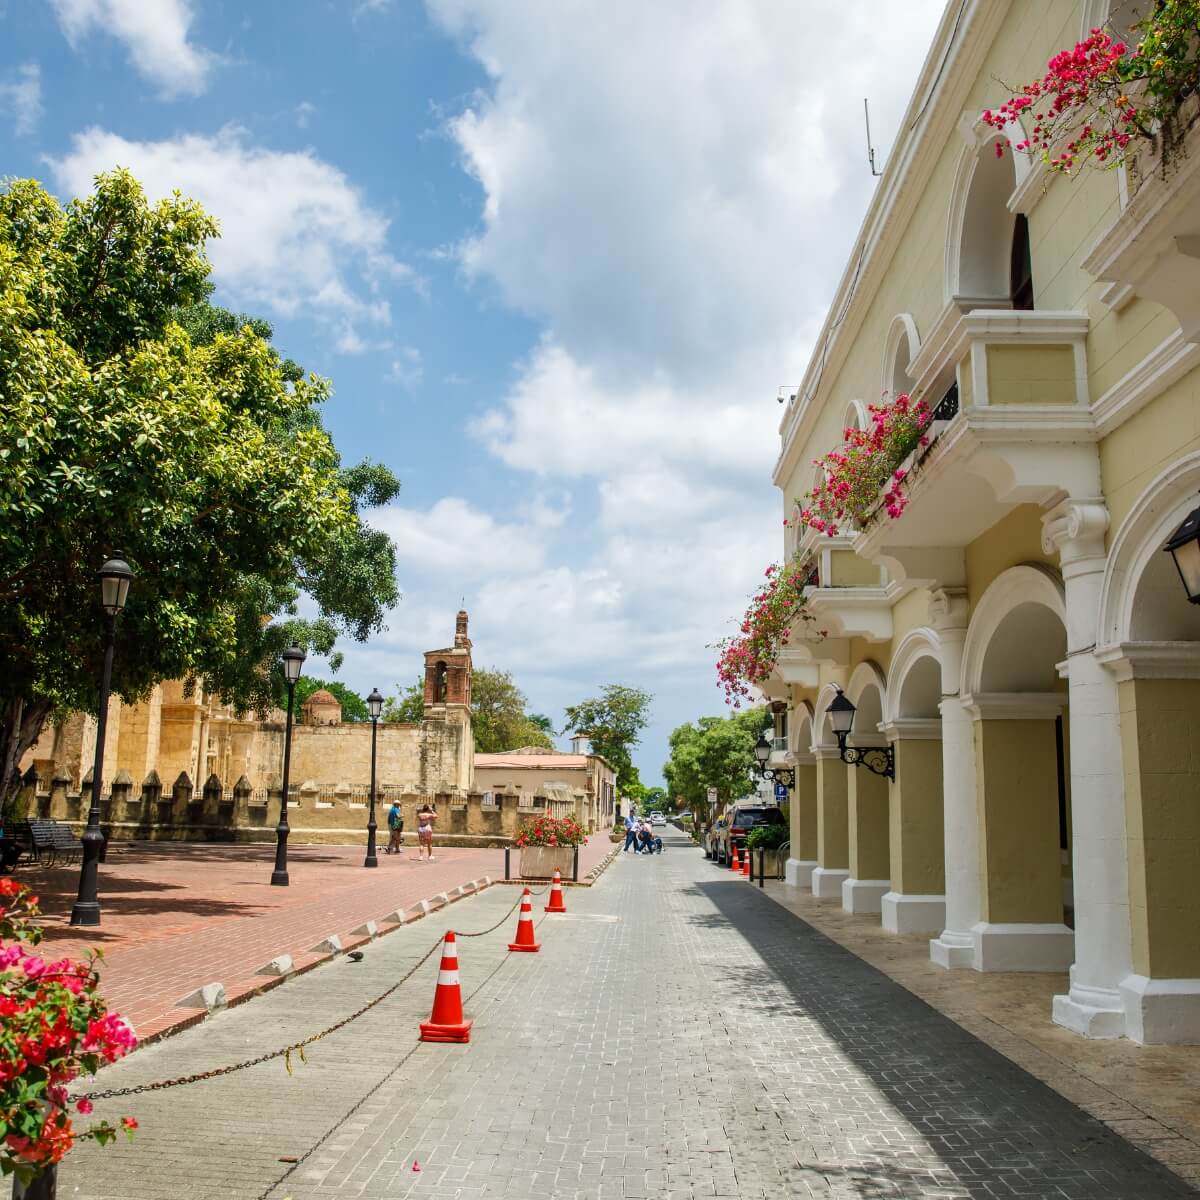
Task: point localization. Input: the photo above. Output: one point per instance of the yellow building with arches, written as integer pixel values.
(1017, 641)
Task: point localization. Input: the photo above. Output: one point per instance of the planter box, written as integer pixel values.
(539, 862)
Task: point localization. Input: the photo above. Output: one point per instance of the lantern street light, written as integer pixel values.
(1184, 548)
(293, 661)
(879, 759)
(115, 577)
(374, 707)
(762, 755)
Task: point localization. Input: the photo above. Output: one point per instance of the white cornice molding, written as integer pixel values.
(950, 71)
(1167, 363)
(864, 612)
(1015, 706)
(913, 729)
(1151, 660)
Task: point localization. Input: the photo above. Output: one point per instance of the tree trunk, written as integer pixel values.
(22, 724)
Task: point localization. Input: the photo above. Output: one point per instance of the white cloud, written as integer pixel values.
(296, 235)
(407, 368)
(21, 95)
(672, 190)
(155, 35)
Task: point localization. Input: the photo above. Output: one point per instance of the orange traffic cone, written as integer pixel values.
(735, 858)
(447, 1024)
(746, 863)
(525, 927)
(556, 896)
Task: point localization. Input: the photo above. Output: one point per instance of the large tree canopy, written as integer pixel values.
(614, 721)
(201, 459)
(715, 752)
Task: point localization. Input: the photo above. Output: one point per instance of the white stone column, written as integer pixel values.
(802, 853)
(1103, 955)
(955, 946)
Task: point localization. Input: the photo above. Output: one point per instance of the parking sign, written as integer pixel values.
(781, 791)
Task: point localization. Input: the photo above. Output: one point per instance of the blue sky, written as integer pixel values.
(556, 258)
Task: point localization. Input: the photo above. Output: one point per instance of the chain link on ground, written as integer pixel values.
(286, 1052)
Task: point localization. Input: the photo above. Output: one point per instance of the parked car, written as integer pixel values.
(656, 818)
(742, 819)
(713, 837)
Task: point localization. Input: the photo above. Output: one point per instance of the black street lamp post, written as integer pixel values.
(1184, 548)
(762, 755)
(115, 577)
(881, 760)
(374, 707)
(293, 660)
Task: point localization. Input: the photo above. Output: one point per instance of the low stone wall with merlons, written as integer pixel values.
(323, 814)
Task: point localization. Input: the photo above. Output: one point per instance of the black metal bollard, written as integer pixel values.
(575, 866)
(762, 867)
(507, 863)
(40, 1187)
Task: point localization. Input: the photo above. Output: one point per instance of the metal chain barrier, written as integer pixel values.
(286, 1052)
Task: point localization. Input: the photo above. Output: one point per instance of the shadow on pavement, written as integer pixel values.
(1001, 1131)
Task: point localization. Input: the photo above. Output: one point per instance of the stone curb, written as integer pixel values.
(325, 950)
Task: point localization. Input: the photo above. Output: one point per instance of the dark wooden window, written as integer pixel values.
(1021, 270)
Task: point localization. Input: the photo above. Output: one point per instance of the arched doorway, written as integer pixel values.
(802, 812)
(1151, 643)
(913, 724)
(866, 800)
(833, 833)
(1013, 689)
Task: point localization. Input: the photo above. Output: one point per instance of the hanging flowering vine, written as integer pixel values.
(1098, 99)
(867, 467)
(747, 659)
(53, 1028)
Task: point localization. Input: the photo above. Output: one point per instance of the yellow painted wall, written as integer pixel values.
(867, 812)
(848, 570)
(1031, 374)
(833, 848)
(803, 814)
(917, 841)
(1160, 734)
(1016, 538)
(1017, 797)
(1132, 455)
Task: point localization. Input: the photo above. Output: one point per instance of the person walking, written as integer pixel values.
(631, 833)
(395, 820)
(426, 816)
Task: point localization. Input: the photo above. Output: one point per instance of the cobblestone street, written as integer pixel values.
(679, 1035)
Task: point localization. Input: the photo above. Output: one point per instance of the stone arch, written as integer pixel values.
(1142, 599)
(902, 346)
(979, 235)
(822, 729)
(867, 690)
(800, 730)
(1011, 610)
(856, 415)
(1115, 15)
(915, 682)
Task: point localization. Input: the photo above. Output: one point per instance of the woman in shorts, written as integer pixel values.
(426, 816)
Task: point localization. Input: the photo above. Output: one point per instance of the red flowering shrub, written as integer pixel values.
(1096, 99)
(867, 467)
(747, 659)
(53, 1028)
(551, 831)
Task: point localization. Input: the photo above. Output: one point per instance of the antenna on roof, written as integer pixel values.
(870, 148)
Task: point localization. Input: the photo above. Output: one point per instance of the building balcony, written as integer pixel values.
(1152, 249)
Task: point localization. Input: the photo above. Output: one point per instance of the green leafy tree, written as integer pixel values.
(354, 707)
(203, 461)
(655, 799)
(542, 722)
(614, 721)
(407, 706)
(715, 752)
(498, 714)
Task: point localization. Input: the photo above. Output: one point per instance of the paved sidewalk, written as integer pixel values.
(177, 916)
(679, 1035)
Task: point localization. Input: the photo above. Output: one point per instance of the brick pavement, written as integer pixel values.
(177, 916)
(679, 1035)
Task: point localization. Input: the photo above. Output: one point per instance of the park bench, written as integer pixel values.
(44, 842)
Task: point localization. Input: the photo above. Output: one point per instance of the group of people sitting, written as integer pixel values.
(640, 835)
